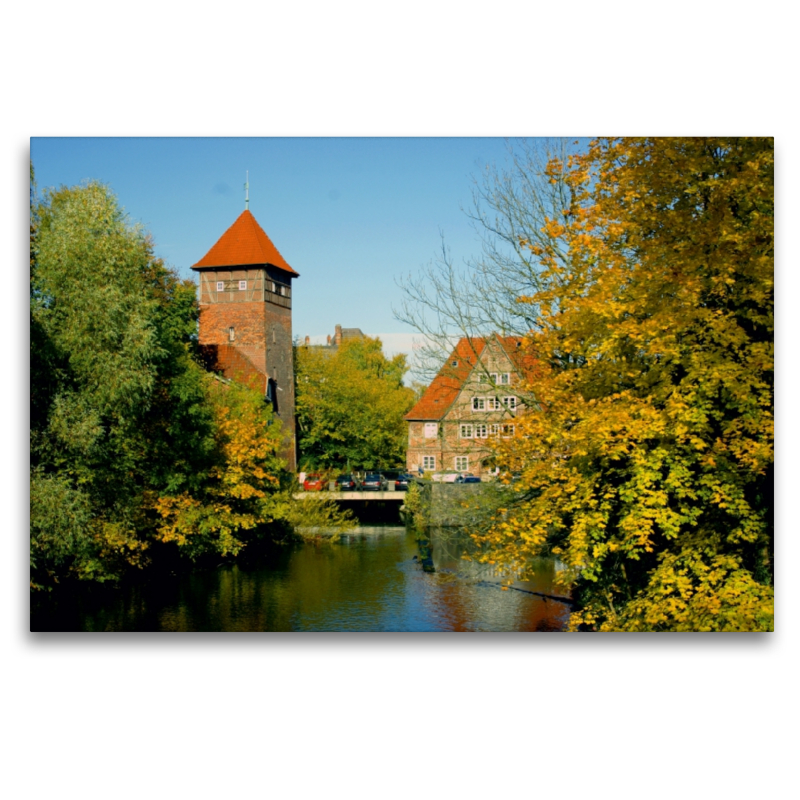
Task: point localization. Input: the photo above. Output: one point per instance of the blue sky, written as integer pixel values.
(351, 215)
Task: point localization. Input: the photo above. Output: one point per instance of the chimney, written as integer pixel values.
(338, 337)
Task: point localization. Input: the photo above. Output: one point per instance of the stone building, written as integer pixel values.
(245, 297)
(340, 335)
(475, 397)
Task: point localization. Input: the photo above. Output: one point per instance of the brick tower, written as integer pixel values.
(245, 297)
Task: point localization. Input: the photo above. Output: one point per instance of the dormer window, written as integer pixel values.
(231, 334)
(454, 363)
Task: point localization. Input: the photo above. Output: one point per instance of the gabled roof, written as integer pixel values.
(445, 387)
(243, 244)
(440, 395)
(521, 357)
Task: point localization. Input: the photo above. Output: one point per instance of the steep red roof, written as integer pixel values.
(444, 388)
(244, 243)
(522, 358)
(233, 364)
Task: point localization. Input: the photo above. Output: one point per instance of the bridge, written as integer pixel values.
(397, 497)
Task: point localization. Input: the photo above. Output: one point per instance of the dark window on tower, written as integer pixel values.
(272, 394)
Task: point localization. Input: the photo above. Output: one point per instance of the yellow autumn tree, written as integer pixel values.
(247, 489)
(241, 489)
(646, 463)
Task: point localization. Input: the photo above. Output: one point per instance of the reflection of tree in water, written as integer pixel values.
(369, 581)
(471, 590)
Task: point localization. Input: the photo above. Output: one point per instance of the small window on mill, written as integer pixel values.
(231, 334)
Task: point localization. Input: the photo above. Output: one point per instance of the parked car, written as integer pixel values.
(348, 483)
(468, 477)
(314, 483)
(402, 481)
(374, 481)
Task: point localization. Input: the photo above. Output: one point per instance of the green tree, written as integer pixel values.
(135, 449)
(118, 406)
(350, 406)
(646, 464)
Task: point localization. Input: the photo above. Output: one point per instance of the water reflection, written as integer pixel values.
(372, 580)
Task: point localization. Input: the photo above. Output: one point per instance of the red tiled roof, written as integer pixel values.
(233, 364)
(444, 388)
(244, 243)
(522, 358)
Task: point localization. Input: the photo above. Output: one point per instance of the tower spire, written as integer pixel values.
(246, 190)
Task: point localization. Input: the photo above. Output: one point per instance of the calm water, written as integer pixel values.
(376, 579)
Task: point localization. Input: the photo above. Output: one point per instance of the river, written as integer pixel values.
(378, 578)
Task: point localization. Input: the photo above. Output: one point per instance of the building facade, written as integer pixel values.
(340, 335)
(473, 399)
(245, 297)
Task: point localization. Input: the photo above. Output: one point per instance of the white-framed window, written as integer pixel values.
(508, 431)
(231, 334)
(454, 363)
(431, 430)
(283, 291)
(493, 404)
(242, 286)
(481, 431)
(510, 403)
(428, 462)
(494, 430)
(478, 403)
(465, 431)
(272, 284)
(501, 378)
(462, 463)
(220, 286)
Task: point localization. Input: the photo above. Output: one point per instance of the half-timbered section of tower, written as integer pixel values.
(245, 297)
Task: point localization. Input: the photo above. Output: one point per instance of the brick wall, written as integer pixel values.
(261, 341)
(448, 442)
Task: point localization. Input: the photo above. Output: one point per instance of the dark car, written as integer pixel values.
(402, 481)
(347, 483)
(467, 478)
(374, 482)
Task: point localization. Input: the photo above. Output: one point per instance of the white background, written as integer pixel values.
(365, 716)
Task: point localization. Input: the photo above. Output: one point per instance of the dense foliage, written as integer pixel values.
(135, 449)
(350, 407)
(646, 464)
